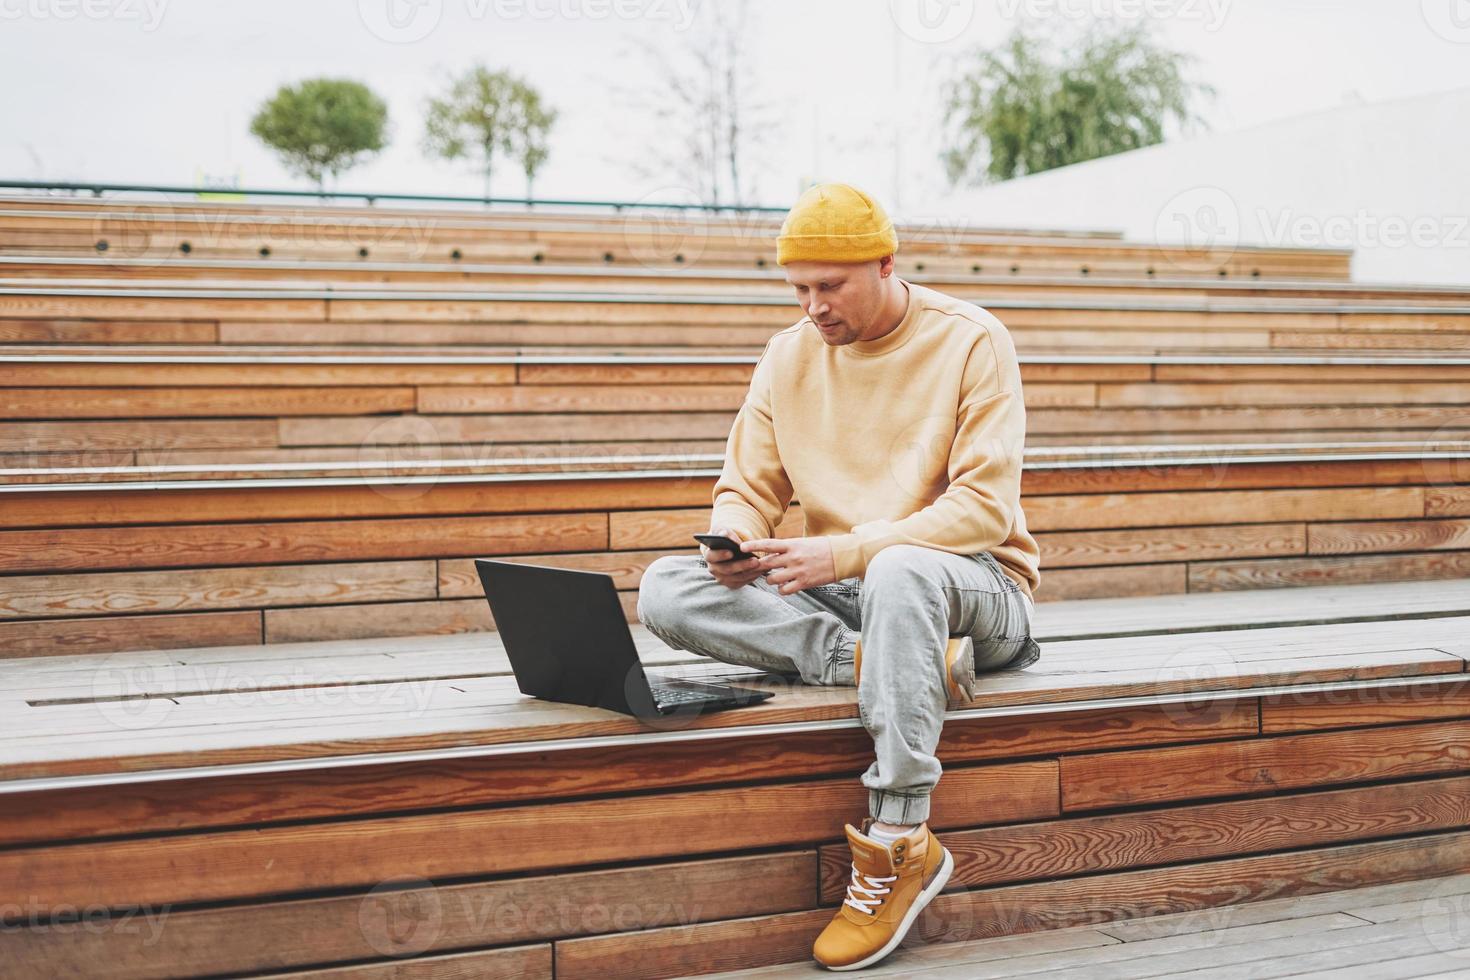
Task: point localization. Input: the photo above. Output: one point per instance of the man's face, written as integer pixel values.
(844, 299)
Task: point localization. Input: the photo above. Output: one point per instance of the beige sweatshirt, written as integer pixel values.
(913, 438)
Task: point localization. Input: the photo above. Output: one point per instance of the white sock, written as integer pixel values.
(888, 837)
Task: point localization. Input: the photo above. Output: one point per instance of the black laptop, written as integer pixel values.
(568, 640)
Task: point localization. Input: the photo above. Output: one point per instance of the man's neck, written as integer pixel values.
(895, 308)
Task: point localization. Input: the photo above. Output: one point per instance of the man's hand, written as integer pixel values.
(795, 563)
(731, 571)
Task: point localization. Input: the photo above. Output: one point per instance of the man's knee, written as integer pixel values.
(659, 589)
(897, 563)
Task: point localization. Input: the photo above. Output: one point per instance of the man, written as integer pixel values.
(894, 415)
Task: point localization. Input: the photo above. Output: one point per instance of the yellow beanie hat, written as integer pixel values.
(835, 223)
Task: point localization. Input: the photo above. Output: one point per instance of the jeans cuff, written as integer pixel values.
(839, 670)
(899, 808)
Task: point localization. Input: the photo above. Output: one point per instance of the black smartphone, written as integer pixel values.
(716, 542)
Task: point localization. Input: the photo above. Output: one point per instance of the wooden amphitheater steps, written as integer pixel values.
(1235, 754)
(402, 234)
(1407, 929)
(974, 284)
(158, 563)
(511, 217)
(141, 406)
(45, 312)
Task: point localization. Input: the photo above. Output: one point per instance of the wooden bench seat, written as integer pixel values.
(93, 567)
(769, 280)
(193, 407)
(1093, 786)
(403, 235)
(40, 311)
(974, 283)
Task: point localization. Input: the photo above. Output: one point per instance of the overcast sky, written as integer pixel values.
(162, 91)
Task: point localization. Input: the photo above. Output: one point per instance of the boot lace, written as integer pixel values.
(866, 885)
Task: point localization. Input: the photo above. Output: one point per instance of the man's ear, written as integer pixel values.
(886, 265)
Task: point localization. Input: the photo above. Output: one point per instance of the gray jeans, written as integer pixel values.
(905, 608)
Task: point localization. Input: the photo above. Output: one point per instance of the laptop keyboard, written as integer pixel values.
(671, 695)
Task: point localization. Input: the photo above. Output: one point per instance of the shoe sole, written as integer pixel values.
(955, 686)
(941, 878)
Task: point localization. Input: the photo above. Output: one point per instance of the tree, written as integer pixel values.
(528, 143)
(707, 122)
(322, 126)
(1019, 110)
(485, 113)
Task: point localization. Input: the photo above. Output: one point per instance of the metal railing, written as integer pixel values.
(372, 197)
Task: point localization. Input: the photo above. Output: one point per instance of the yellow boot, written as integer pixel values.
(890, 886)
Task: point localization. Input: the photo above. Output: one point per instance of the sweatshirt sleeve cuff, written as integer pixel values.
(744, 531)
(848, 560)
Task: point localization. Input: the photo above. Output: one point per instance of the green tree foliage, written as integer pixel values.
(322, 126)
(485, 114)
(1020, 109)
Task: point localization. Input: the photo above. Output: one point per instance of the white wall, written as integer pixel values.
(1390, 181)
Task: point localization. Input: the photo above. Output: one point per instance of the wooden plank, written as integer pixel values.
(160, 434)
(54, 330)
(419, 918)
(636, 374)
(1310, 373)
(183, 402)
(183, 372)
(1308, 605)
(1071, 549)
(658, 398)
(1308, 711)
(1387, 341)
(76, 306)
(1113, 581)
(108, 634)
(491, 431)
(45, 459)
(518, 963)
(1369, 320)
(1157, 775)
(1357, 537)
(237, 461)
(457, 399)
(458, 578)
(1448, 501)
(283, 860)
(304, 794)
(97, 593)
(1053, 849)
(417, 333)
(1266, 949)
(236, 503)
(1059, 513)
(62, 739)
(1213, 576)
(1161, 339)
(221, 546)
(1150, 419)
(1410, 892)
(1016, 909)
(1418, 392)
(1306, 441)
(582, 309)
(361, 621)
(1199, 929)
